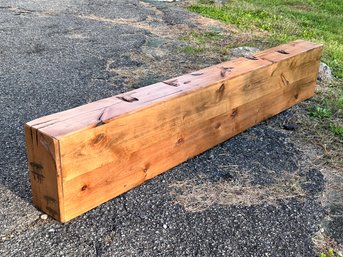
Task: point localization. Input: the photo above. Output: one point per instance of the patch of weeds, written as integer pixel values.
(330, 253)
(191, 50)
(325, 245)
(204, 42)
(320, 112)
(202, 37)
(337, 130)
(195, 197)
(327, 109)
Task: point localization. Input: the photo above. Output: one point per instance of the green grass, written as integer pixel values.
(201, 42)
(192, 50)
(286, 20)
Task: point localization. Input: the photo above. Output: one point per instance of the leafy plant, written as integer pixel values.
(321, 112)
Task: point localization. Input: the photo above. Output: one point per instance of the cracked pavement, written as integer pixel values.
(56, 55)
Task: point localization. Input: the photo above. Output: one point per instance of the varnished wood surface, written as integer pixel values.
(97, 151)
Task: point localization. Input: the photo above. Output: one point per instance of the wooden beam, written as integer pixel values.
(88, 155)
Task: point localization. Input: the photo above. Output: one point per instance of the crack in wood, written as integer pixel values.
(46, 146)
(173, 82)
(197, 74)
(127, 98)
(282, 51)
(251, 57)
(284, 80)
(224, 70)
(100, 121)
(36, 131)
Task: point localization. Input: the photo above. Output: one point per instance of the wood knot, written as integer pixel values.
(99, 138)
(36, 166)
(234, 113)
(180, 141)
(146, 168)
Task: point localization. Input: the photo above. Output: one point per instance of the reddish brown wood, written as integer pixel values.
(85, 156)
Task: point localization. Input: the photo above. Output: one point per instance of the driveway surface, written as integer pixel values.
(255, 195)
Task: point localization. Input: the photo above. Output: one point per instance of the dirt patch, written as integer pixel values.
(195, 197)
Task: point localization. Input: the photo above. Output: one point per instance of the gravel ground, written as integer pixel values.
(260, 196)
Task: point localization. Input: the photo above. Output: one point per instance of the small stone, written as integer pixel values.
(51, 230)
(43, 216)
(325, 73)
(165, 226)
(243, 51)
(289, 126)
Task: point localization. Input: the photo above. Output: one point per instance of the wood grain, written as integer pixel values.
(95, 152)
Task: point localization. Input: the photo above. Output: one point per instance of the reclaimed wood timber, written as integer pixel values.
(87, 155)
